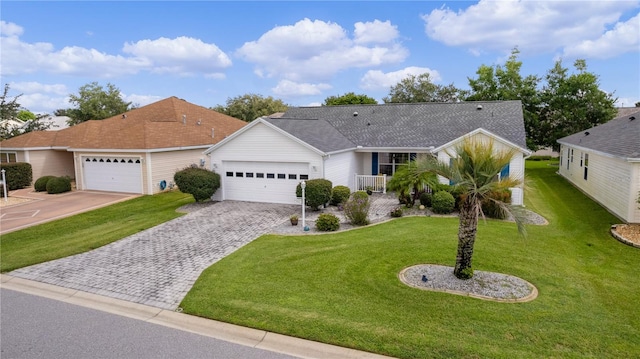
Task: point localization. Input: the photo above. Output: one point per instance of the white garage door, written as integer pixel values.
(116, 174)
(272, 182)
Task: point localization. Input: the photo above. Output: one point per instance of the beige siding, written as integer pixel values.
(263, 144)
(610, 181)
(165, 164)
(51, 163)
(78, 161)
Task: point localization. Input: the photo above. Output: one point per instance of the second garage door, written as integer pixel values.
(272, 182)
(115, 174)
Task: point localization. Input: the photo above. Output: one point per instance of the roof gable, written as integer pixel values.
(619, 137)
(415, 125)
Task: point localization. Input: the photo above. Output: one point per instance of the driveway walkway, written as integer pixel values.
(157, 267)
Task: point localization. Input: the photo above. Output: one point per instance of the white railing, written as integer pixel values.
(374, 183)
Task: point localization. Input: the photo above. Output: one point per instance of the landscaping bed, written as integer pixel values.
(627, 233)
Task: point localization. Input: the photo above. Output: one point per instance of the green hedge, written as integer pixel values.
(317, 192)
(58, 185)
(40, 185)
(443, 202)
(18, 175)
(340, 194)
(198, 182)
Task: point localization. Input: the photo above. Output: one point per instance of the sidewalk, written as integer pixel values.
(224, 331)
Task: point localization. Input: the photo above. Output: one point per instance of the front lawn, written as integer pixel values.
(343, 288)
(87, 231)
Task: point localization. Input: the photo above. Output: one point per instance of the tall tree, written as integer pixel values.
(349, 99)
(474, 171)
(572, 103)
(93, 102)
(10, 109)
(502, 83)
(248, 107)
(26, 115)
(421, 89)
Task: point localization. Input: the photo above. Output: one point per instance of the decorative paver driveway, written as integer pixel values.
(158, 266)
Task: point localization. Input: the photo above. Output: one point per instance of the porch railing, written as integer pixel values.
(376, 183)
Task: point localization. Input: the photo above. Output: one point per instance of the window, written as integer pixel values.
(572, 155)
(229, 174)
(504, 173)
(281, 176)
(388, 163)
(259, 175)
(586, 164)
(304, 177)
(239, 174)
(8, 157)
(291, 176)
(249, 174)
(271, 175)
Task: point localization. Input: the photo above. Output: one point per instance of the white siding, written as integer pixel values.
(165, 164)
(263, 144)
(340, 169)
(612, 182)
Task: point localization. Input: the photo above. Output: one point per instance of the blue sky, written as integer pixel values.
(301, 51)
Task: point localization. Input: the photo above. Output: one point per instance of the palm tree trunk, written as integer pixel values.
(466, 238)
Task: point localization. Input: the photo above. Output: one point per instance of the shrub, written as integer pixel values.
(18, 175)
(340, 194)
(2, 190)
(425, 199)
(198, 182)
(317, 192)
(357, 208)
(443, 202)
(58, 185)
(491, 209)
(41, 183)
(327, 222)
(396, 212)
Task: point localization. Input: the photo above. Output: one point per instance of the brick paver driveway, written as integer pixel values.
(158, 266)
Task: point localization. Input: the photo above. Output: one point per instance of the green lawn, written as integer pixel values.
(343, 289)
(87, 231)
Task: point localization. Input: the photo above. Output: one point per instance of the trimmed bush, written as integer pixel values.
(317, 192)
(41, 183)
(425, 199)
(443, 202)
(198, 182)
(340, 194)
(18, 175)
(357, 208)
(396, 212)
(491, 209)
(58, 185)
(327, 222)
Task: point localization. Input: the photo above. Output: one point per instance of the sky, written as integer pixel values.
(301, 52)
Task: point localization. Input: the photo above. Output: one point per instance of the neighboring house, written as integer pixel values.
(135, 152)
(56, 123)
(352, 144)
(604, 163)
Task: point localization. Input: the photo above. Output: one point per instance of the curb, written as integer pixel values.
(255, 338)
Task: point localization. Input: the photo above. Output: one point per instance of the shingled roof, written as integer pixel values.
(619, 137)
(169, 123)
(415, 125)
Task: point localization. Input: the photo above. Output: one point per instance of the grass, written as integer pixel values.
(343, 288)
(87, 231)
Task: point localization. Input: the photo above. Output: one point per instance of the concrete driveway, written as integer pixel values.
(157, 267)
(43, 207)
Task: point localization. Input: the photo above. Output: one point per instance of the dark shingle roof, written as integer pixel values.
(619, 137)
(416, 125)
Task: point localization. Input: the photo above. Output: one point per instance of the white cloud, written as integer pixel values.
(627, 102)
(31, 87)
(375, 32)
(182, 55)
(316, 50)
(41, 103)
(141, 100)
(624, 37)
(533, 26)
(290, 88)
(375, 80)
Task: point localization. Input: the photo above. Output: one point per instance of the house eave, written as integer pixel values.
(601, 153)
(138, 150)
(395, 149)
(481, 130)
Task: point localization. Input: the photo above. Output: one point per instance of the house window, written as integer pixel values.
(259, 175)
(239, 174)
(586, 164)
(572, 155)
(271, 175)
(304, 177)
(8, 157)
(568, 157)
(281, 176)
(388, 163)
(249, 174)
(293, 176)
(229, 174)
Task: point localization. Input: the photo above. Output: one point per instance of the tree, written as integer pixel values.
(474, 171)
(248, 107)
(93, 102)
(11, 110)
(26, 115)
(406, 180)
(502, 83)
(349, 99)
(419, 88)
(638, 104)
(572, 103)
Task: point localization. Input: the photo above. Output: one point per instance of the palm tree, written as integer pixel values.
(474, 169)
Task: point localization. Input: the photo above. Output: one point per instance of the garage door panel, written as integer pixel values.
(115, 174)
(271, 182)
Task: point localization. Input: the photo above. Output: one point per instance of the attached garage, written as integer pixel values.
(115, 174)
(272, 182)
